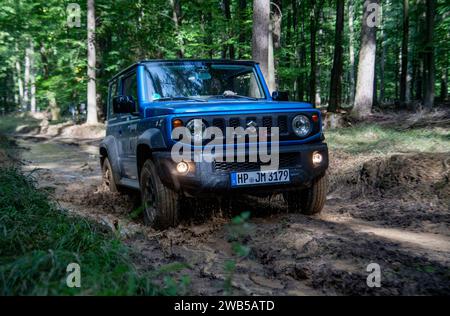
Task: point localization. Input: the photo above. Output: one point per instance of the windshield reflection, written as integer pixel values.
(201, 81)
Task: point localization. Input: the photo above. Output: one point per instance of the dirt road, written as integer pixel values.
(393, 211)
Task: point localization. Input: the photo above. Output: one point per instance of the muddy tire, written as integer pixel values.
(308, 201)
(161, 204)
(108, 176)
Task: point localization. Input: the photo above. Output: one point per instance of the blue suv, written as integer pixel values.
(152, 102)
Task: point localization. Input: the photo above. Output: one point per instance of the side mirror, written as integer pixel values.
(280, 95)
(124, 104)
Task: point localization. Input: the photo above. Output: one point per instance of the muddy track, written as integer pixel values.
(377, 212)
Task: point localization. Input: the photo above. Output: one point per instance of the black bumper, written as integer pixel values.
(207, 177)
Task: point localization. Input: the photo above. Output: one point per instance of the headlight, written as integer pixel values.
(197, 128)
(301, 125)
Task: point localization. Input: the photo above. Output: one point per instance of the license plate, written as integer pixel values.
(260, 177)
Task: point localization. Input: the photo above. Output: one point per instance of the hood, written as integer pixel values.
(167, 108)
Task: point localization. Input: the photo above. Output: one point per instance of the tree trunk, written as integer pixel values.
(336, 71)
(260, 38)
(271, 83)
(228, 48)
(176, 18)
(289, 27)
(44, 60)
(242, 35)
(444, 85)
(318, 97)
(405, 40)
(26, 79)
(428, 101)
(274, 42)
(419, 80)
(366, 66)
(351, 29)
(91, 89)
(55, 111)
(382, 66)
(19, 79)
(313, 66)
(32, 79)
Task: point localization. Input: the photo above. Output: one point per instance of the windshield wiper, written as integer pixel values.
(180, 99)
(233, 96)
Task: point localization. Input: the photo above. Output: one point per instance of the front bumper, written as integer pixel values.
(209, 177)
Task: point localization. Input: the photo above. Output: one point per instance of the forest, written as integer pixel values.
(318, 50)
(83, 181)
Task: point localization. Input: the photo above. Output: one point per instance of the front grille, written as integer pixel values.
(234, 122)
(220, 123)
(283, 124)
(286, 160)
(267, 122)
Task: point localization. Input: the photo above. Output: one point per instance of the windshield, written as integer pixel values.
(202, 81)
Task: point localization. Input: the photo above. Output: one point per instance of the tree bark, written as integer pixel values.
(351, 30)
(405, 40)
(428, 101)
(242, 33)
(26, 79)
(271, 83)
(260, 38)
(366, 66)
(19, 79)
(313, 66)
(91, 89)
(32, 79)
(444, 85)
(336, 72)
(274, 42)
(228, 48)
(177, 20)
(382, 65)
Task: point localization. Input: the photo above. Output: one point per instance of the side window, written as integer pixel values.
(112, 93)
(130, 88)
(246, 84)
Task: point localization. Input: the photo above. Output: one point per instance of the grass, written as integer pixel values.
(38, 242)
(11, 122)
(372, 138)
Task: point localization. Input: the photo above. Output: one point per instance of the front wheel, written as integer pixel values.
(108, 176)
(308, 201)
(161, 204)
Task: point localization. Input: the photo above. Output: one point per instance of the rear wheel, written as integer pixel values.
(308, 201)
(108, 176)
(161, 204)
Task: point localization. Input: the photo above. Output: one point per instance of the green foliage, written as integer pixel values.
(238, 230)
(373, 138)
(37, 242)
(128, 31)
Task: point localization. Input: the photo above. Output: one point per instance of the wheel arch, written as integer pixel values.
(148, 142)
(108, 149)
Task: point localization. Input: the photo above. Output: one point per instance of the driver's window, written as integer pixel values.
(129, 85)
(112, 93)
(246, 84)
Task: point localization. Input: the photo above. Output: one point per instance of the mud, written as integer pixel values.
(390, 210)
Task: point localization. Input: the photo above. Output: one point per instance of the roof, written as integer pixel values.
(220, 61)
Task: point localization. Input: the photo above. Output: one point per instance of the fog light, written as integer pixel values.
(317, 158)
(183, 167)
